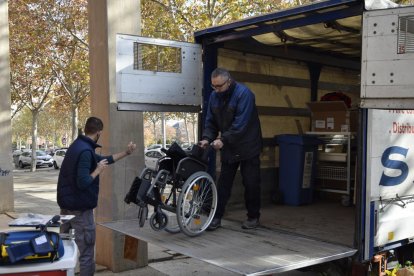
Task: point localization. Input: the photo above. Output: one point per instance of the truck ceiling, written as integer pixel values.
(308, 32)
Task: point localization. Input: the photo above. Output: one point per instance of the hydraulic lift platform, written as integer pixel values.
(262, 251)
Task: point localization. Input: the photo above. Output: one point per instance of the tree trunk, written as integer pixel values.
(54, 138)
(163, 142)
(195, 133)
(154, 127)
(75, 114)
(35, 117)
(186, 130)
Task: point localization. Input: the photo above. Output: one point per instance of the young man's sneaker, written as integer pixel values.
(250, 223)
(215, 223)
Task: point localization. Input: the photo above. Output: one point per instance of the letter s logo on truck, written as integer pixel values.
(394, 164)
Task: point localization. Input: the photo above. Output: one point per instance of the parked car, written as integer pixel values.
(42, 159)
(50, 151)
(151, 158)
(16, 154)
(156, 146)
(58, 158)
(186, 145)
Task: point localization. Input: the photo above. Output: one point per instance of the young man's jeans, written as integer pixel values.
(250, 171)
(85, 234)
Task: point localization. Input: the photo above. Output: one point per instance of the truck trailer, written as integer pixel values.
(355, 207)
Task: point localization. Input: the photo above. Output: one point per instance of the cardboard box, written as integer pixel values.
(332, 117)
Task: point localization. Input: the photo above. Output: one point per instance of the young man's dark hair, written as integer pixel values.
(93, 125)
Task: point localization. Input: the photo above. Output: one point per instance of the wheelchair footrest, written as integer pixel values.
(138, 191)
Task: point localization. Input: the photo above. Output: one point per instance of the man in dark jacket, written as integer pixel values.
(78, 189)
(232, 125)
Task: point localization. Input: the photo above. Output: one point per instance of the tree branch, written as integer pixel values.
(174, 10)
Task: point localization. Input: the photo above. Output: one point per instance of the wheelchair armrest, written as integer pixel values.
(161, 178)
(146, 174)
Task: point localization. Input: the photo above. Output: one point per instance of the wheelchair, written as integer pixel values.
(183, 194)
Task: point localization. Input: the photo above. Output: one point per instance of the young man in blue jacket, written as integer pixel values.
(232, 126)
(78, 189)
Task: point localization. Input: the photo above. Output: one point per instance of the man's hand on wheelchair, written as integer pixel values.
(203, 144)
(217, 144)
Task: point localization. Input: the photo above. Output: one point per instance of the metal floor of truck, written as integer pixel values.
(290, 237)
(328, 221)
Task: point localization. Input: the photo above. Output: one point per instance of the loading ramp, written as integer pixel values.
(262, 251)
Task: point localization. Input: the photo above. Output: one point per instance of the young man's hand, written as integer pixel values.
(101, 166)
(130, 148)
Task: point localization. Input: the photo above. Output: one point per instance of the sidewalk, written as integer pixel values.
(36, 193)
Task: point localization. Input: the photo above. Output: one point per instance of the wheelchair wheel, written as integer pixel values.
(142, 215)
(196, 204)
(172, 225)
(158, 221)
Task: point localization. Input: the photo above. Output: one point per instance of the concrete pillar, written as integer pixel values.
(6, 166)
(107, 18)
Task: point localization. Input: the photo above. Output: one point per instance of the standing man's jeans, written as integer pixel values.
(85, 233)
(250, 171)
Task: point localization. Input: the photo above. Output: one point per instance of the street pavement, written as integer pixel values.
(35, 192)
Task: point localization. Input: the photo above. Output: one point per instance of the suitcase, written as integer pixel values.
(30, 246)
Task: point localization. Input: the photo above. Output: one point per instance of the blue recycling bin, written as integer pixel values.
(297, 158)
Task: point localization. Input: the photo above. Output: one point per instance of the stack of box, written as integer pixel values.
(332, 117)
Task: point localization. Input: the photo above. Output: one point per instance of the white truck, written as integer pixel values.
(289, 58)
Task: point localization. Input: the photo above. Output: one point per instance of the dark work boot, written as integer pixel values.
(250, 223)
(214, 224)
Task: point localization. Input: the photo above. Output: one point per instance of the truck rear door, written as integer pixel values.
(157, 75)
(387, 86)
